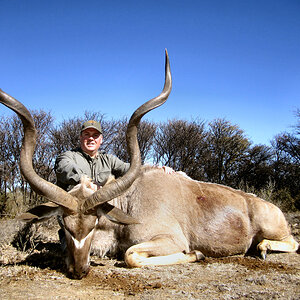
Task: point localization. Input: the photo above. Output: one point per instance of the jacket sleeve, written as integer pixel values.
(119, 168)
(66, 169)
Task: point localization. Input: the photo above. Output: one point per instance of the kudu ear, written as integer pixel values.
(115, 215)
(41, 212)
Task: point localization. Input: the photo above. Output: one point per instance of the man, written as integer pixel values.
(88, 160)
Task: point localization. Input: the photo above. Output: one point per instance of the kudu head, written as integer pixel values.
(81, 208)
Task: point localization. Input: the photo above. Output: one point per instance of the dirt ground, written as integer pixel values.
(31, 267)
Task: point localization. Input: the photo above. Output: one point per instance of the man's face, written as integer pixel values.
(90, 141)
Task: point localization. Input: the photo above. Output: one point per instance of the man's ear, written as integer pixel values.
(41, 212)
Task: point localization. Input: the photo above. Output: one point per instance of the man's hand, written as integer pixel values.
(94, 186)
(167, 170)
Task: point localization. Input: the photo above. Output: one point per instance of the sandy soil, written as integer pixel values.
(38, 273)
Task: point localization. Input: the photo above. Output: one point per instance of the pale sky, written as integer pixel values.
(238, 60)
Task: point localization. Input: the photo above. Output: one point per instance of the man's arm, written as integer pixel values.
(67, 171)
(119, 168)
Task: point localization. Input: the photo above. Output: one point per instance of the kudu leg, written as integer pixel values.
(286, 245)
(158, 252)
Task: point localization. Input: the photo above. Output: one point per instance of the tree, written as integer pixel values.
(227, 146)
(181, 145)
(11, 139)
(286, 163)
(286, 147)
(297, 126)
(255, 168)
(8, 161)
(12, 132)
(146, 132)
(289, 146)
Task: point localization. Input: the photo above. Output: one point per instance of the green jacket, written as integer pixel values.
(71, 165)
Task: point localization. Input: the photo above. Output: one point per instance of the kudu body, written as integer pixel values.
(158, 219)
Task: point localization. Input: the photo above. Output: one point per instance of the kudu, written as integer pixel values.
(158, 219)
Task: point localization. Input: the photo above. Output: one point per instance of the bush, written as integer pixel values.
(12, 204)
(267, 192)
(297, 202)
(25, 238)
(2, 204)
(283, 200)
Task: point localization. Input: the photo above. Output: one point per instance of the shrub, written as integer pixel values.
(283, 200)
(297, 201)
(25, 238)
(12, 205)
